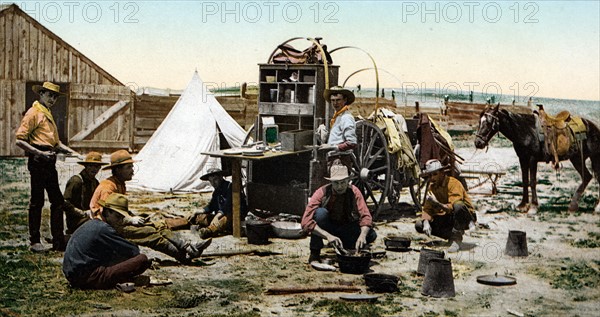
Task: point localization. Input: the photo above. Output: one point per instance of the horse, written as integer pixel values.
(522, 131)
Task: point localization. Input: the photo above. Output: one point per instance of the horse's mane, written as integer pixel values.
(520, 117)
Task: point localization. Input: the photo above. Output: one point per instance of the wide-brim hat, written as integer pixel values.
(116, 202)
(432, 166)
(338, 173)
(211, 172)
(120, 157)
(47, 86)
(339, 90)
(92, 158)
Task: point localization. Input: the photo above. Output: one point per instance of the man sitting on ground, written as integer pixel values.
(448, 210)
(155, 235)
(97, 257)
(79, 191)
(337, 212)
(216, 217)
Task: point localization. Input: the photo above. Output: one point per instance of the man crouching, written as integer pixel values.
(337, 212)
(448, 210)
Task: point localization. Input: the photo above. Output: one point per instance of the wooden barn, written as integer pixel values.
(97, 111)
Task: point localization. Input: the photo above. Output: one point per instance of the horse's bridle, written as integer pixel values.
(492, 131)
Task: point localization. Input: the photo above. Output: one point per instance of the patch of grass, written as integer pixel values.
(569, 276)
(337, 308)
(237, 289)
(592, 242)
(450, 313)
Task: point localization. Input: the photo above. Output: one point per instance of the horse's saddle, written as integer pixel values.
(562, 134)
(312, 55)
(559, 120)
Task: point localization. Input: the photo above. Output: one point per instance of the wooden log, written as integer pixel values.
(311, 289)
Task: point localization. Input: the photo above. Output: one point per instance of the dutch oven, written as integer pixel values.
(396, 242)
(287, 230)
(381, 283)
(354, 263)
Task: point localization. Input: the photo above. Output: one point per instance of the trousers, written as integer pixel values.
(105, 277)
(44, 177)
(347, 232)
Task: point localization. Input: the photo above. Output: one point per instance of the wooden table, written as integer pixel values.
(236, 179)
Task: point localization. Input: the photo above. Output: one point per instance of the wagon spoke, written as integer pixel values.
(372, 165)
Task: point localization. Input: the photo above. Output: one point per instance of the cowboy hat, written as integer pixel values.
(433, 166)
(116, 202)
(92, 158)
(211, 172)
(339, 90)
(119, 157)
(47, 86)
(338, 173)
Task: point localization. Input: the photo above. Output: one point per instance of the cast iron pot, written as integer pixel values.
(381, 283)
(354, 264)
(396, 242)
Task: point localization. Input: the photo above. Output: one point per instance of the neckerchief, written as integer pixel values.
(336, 114)
(46, 112)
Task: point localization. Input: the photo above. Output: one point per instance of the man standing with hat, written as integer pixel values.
(38, 136)
(338, 213)
(448, 210)
(216, 217)
(97, 257)
(155, 235)
(79, 190)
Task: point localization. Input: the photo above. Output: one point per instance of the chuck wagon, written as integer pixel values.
(281, 159)
(291, 105)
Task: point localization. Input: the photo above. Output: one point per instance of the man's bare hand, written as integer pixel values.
(137, 221)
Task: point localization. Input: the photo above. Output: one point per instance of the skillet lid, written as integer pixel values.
(496, 280)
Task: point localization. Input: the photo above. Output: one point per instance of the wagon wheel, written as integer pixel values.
(371, 165)
(400, 181)
(415, 192)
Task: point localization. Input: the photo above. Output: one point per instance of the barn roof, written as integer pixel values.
(6, 9)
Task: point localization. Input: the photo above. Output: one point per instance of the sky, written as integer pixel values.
(521, 48)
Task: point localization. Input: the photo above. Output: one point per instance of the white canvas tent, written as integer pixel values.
(171, 159)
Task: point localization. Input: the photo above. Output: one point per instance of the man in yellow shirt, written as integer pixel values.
(38, 136)
(448, 210)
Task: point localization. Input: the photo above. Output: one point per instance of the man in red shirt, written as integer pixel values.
(338, 213)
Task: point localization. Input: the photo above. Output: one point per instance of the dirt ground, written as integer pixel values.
(560, 277)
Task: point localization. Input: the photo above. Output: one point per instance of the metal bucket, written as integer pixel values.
(438, 281)
(425, 256)
(381, 283)
(516, 245)
(258, 232)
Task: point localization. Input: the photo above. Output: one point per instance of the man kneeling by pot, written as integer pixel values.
(337, 212)
(448, 210)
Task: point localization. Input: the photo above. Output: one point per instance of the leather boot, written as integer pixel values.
(216, 226)
(195, 249)
(176, 252)
(455, 240)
